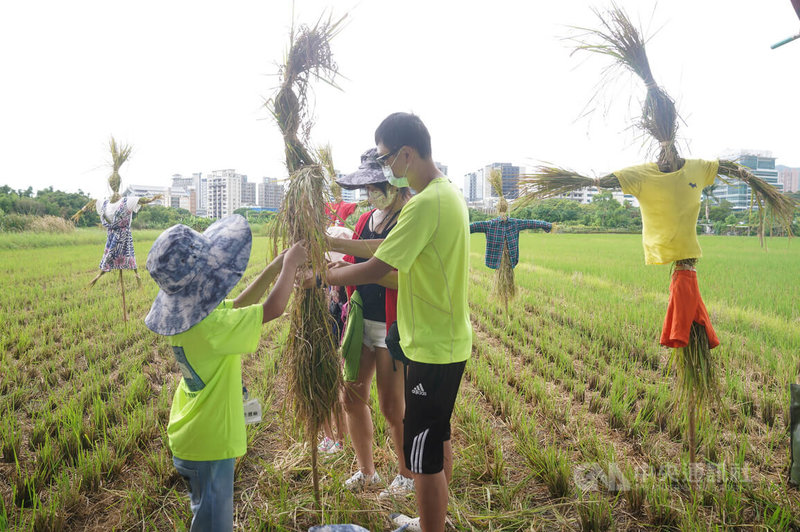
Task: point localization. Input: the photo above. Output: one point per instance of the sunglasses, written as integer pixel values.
(383, 160)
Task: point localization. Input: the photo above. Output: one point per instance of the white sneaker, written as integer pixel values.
(334, 448)
(409, 524)
(400, 487)
(359, 481)
(325, 444)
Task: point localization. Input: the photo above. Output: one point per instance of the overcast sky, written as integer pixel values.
(184, 83)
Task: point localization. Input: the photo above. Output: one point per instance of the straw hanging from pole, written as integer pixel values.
(313, 363)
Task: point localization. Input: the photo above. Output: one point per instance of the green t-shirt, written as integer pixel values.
(207, 418)
(429, 247)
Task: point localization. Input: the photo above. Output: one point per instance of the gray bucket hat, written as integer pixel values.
(195, 272)
(369, 172)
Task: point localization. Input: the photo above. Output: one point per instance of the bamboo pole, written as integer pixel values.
(124, 307)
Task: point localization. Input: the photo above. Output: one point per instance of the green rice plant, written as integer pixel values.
(26, 487)
(636, 494)
(596, 404)
(594, 513)
(3, 514)
(549, 465)
(660, 509)
(89, 471)
(48, 517)
(10, 437)
(47, 461)
(769, 410)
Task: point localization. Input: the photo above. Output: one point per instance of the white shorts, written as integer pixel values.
(374, 334)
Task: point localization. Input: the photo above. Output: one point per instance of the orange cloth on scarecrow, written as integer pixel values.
(685, 306)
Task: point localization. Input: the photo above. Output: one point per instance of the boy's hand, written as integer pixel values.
(296, 255)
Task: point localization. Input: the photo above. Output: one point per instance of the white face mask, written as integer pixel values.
(393, 180)
(381, 201)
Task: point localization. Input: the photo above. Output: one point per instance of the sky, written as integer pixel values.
(184, 82)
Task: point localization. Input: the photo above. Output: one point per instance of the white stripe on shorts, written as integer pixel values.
(416, 451)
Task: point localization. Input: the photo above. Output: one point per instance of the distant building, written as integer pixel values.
(148, 191)
(473, 186)
(178, 181)
(248, 193)
(354, 196)
(224, 193)
(181, 198)
(585, 196)
(270, 193)
(761, 164)
(442, 167)
(478, 190)
(789, 177)
(201, 197)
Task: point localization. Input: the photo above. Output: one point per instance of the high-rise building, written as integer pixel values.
(761, 164)
(473, 186)
(201, 186)
(224, 193)
(442, 167)
(270, 193)
(790, 177)
(248, 193)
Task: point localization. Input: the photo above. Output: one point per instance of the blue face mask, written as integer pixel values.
(399, 182)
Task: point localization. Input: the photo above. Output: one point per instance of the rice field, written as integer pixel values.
(565, 419)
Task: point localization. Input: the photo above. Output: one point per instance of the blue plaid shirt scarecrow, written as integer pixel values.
(499, 232)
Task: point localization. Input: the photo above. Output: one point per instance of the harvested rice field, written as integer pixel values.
(565, 419)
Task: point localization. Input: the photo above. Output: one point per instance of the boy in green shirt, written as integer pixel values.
(208, 335)
(429, 247)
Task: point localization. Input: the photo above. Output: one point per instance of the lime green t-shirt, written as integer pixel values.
(206, 421)
(670, 203)
(429, 247)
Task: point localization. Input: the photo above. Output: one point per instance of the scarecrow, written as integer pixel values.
(502, 241)
(311, 347)
(116, 214)
(669, 192)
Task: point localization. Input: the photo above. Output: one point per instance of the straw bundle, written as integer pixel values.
(697, 383)
(550, 181)
(621, 40)
(119, 154)
(326, 160)
(313, 364)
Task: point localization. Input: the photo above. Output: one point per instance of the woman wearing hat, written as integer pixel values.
(379, 303)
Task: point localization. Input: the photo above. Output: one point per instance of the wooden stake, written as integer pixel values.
(692, 458)
(122, 288)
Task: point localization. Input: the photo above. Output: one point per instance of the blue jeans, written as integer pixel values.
(211, 486)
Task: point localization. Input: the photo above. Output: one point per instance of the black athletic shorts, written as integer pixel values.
(431, 391)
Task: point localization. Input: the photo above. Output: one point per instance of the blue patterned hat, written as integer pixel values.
(195, 272)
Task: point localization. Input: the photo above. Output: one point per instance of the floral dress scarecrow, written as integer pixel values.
(116, 213)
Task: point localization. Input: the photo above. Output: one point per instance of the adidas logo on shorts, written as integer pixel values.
(419, 390)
